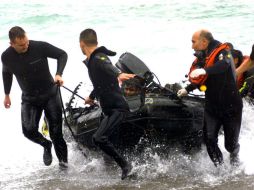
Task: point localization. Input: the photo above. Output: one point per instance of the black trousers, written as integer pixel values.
(110, 122)
(231, 122)
(31, 113)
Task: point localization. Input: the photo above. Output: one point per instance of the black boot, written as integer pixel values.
(111, 151)
(126, 170)
(218, 163)
(63, 165)
(125, 166)
(215, 154)
(234, 159)
(47, 156)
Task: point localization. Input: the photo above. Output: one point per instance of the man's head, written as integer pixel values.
(252, 53)
(201, 39)
(88, 40)
(230, 45)
(18, 39)
(132, 87)
(237, 57)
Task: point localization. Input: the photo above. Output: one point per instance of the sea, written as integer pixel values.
(159, 32)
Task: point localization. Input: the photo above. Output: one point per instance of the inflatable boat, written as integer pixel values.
(157, 115)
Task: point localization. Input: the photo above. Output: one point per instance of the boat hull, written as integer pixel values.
(159, 120)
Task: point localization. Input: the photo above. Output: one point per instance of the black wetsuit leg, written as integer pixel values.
(212, 127)
(112, 120)
(53, 113)
(231, 126)
(30, 116)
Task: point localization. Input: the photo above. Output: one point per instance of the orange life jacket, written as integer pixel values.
(209, 61)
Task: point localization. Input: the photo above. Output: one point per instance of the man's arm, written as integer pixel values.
(92, 95)
(61, 56)
(125, 76)
(61, 62)
(106, 66)
(56, 53)
(7, 76)
(90, 99)
(190, 87)
(7, 101)
(7, 81)
(246, 65)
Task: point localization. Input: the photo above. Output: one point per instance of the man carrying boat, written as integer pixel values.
(104, 77)
(27, 60)
(214, 70)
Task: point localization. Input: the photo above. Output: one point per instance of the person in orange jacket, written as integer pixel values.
(214, 69)
(246, 71)
(238, 58)
(247, 63)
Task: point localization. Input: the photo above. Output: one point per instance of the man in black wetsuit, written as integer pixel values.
(104, 77)
(27, 60)
(223, 104)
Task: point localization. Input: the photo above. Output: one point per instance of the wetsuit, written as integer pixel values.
(223, 105)
(114, 106)
(39, 92)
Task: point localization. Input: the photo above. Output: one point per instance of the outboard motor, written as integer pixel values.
(129, 63)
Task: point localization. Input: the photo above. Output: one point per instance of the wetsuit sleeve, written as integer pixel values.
(92, 95)
(7, 78)
(56, 53)
(222, 62)
(111, 70)
(106, 66)
(191, 87)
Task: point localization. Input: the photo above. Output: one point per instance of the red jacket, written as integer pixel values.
(209, 61)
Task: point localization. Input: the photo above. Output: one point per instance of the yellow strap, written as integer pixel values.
(243, 87)
(45, 129)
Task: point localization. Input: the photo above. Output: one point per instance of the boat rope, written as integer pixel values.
(66, 121)
(73, 92)
(64, 113)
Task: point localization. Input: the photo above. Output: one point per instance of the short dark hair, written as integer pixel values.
(252, 53)
(237, 54)
(207, 35)
(88, 36)
(16, 32)
(230, 45)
